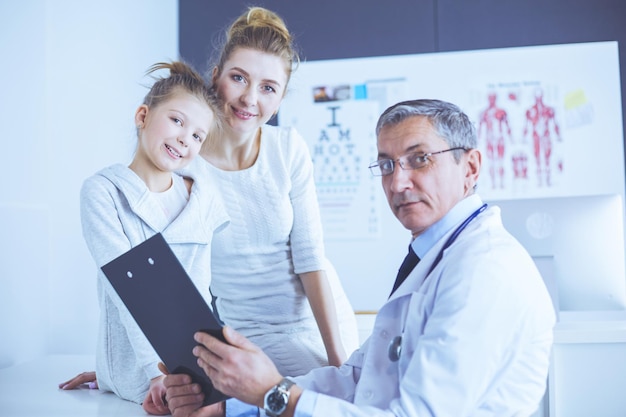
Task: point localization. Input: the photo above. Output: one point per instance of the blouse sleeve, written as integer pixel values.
(307, 243)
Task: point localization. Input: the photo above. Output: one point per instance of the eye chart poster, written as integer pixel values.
(338, 121)
(342, 143)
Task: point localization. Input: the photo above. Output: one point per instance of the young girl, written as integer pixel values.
(270, 276)
(122, 206)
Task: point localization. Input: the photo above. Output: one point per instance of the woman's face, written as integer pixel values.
(251, 87)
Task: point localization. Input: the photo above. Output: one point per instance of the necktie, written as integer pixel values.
(407, 266)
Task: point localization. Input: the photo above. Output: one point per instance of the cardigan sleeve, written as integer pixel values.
(106, 240)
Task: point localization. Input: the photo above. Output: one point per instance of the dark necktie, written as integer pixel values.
(405, 269)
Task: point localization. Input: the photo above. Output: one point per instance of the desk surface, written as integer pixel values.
(590, 327)
(30, 390)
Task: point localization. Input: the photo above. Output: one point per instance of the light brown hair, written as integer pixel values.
(262, 30)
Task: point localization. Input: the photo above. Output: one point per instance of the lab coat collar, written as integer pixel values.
(428, 245)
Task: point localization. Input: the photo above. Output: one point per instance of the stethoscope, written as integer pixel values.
(395, 346)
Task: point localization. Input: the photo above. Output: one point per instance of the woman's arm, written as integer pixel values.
(322, 303)
(308, 247)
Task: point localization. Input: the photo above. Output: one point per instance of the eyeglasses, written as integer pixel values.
(414, 160)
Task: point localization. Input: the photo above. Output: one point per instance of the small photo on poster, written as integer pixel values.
(326, 93)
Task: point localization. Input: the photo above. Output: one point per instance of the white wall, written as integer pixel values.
(70, 80)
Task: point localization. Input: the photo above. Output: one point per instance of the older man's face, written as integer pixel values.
(421, 197)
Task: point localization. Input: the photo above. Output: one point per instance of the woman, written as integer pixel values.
(270, 277)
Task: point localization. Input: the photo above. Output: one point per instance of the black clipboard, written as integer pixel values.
(167, 306)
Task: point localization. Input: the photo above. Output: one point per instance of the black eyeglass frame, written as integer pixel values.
(419, 161)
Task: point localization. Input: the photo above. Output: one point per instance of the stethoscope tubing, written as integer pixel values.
(395, 346)
(454, 235)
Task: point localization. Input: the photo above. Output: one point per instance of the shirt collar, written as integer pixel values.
(462, 210)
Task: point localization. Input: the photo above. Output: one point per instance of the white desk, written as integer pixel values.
(30, 390)
(587, 376)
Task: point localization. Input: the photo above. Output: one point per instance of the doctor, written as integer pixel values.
(467, 333)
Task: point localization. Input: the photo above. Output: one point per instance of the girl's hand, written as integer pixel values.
(154, 402)
(82, 378)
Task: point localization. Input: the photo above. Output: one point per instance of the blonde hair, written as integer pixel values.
(262, 30)
(181, 77)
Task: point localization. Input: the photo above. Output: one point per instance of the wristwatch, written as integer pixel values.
(277, 398)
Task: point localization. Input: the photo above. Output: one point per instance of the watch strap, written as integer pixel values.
(285, 384)
(283, 388)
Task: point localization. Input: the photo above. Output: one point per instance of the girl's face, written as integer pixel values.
(251, 87)
(171, 133)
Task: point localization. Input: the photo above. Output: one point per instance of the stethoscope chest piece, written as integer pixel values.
(395, 349)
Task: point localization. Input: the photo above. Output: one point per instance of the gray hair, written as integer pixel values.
(446, 118)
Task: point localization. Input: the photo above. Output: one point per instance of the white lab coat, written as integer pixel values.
(476, 338)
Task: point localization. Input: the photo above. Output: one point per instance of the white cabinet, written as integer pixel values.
(588, 370)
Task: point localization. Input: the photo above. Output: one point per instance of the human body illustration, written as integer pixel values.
(494, 128)
(541, 123)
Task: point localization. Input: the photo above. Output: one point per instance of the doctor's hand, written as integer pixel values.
(238, 369)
